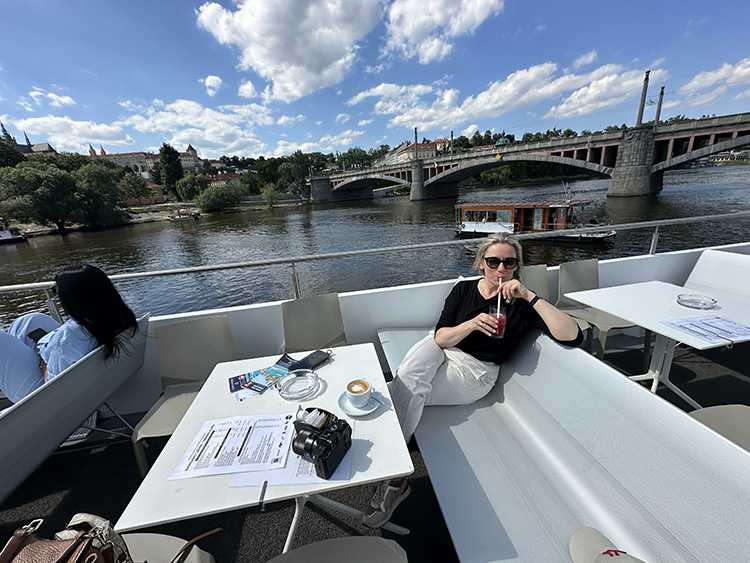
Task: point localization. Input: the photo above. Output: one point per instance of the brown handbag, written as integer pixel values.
(81, 542)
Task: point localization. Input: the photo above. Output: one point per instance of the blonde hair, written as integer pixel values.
(498, 238)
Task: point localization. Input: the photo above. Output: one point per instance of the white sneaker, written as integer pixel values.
(387, 497)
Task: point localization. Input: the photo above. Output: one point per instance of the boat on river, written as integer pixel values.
(6, 237)
(560, 218)
(184, 215)
(61, 487)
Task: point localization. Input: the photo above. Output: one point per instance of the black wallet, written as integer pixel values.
(312, 360)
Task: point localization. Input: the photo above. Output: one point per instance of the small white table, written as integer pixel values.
(648, 304)
(378, 448)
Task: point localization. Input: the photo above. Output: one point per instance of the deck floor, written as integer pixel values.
(102, 479)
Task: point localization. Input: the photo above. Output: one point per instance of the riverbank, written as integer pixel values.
(145, 214)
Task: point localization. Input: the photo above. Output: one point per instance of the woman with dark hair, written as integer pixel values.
(37, 348)
(460, 362)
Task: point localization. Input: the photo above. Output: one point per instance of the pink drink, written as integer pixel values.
(500, 316)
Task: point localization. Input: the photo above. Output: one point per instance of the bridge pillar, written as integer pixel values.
(321, 191)
(435, 190)
(417, 181)
(632, 174)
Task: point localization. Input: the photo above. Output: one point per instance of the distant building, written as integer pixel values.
(40, 148)
(145, 161)
(157, 198)
(405, 152)
(221, 179)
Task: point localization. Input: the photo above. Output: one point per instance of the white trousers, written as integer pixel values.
(431, 375)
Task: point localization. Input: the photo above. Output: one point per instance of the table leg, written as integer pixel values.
(334, 505)
(660, 366)
(299, 505)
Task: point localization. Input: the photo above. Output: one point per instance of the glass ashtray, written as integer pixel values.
(298, 385)
(695, 301)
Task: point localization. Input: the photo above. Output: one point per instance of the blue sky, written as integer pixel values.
(268, 77)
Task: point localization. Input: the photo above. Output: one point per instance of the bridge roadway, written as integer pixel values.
(634, 158)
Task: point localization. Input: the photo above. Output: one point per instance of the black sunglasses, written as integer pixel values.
(493, 262)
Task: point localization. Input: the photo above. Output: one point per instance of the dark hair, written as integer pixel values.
(88, 296)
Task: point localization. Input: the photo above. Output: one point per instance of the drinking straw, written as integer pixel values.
(499, 295)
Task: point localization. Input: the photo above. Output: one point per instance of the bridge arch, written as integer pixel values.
(721, 146)
(367, 180)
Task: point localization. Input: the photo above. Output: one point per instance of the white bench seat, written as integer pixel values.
(34, 427)
(564, 441)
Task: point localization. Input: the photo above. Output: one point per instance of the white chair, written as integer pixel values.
(731, 421)
(312, 323)
(188, 352)
(160, 548)
(578, 276)
(362, 549)
(535, 278)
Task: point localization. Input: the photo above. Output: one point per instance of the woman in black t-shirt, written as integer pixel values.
(460, 363)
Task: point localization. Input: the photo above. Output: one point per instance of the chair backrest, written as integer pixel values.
(312, 323)
(535, 278)
(189, 350)
(724, 272)
(576, 276)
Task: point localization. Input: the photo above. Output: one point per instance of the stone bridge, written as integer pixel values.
(634, 158)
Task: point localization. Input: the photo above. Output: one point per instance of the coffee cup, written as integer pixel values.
(358, 392)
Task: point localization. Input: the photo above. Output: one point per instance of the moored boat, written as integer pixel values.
(561, 218)
(6, 237)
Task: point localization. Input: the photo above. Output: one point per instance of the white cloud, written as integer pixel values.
(67, 134)
(377, 69)
(288, 120)
(745, 94)
(708, 85)
(585, 60)
(298, 46)
(39, 96)
(343, 139)
(428, 34)
(225, 130)
(342, 118)
(470, 130)
(212, 84)
(247, 90)
(363, 122)
(431, 108)
(602, 92)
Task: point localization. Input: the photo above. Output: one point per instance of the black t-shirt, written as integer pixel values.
(465, 302)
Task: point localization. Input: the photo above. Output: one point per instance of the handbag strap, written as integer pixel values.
(189, 544)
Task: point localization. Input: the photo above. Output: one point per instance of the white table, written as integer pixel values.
(648, 304)
(378, 448)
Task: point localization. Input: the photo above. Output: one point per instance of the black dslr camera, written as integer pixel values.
(321, 438)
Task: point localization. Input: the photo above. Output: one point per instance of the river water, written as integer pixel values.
(315, 229)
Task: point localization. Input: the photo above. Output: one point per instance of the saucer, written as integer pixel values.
(351, 410)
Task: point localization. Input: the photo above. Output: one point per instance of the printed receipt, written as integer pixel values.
(238, 444)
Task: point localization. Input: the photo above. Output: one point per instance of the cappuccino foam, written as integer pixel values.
(358, 386)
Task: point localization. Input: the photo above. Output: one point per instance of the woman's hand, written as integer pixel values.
(449, 336)
(515, 288)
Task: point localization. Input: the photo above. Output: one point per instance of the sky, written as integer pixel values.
(270, 77)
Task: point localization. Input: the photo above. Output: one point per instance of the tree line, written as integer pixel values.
(69, 188)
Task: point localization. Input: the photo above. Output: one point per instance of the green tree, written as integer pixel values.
(39, 192)
(170, 168)
(221, 198)
(8, 155)
(98, 193)
(133, 186)
(270, 195)
(190, 186)
(251, 182)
